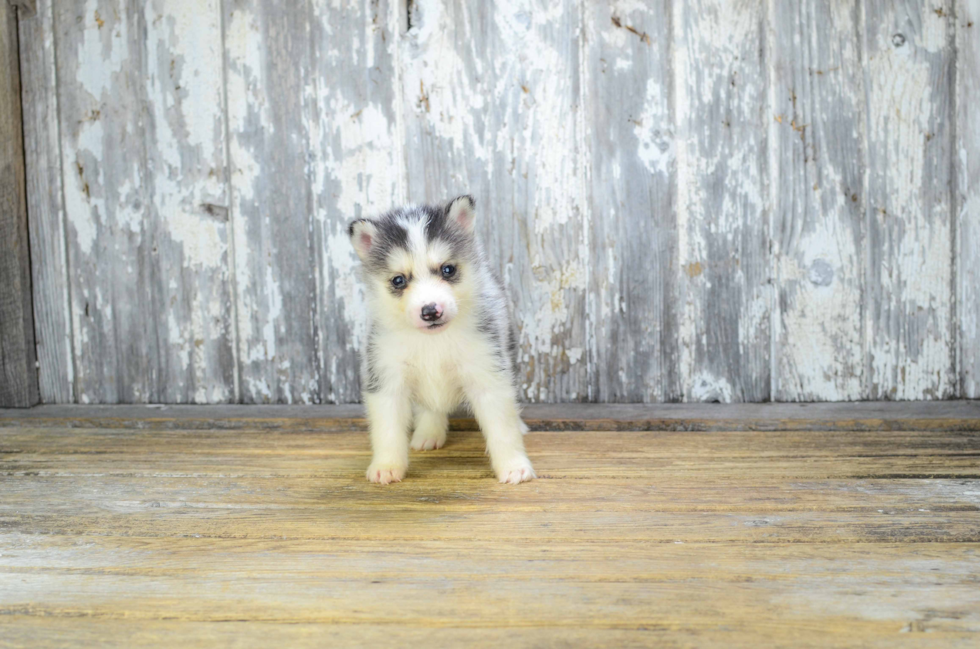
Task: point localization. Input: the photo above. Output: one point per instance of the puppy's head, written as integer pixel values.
(419, 263)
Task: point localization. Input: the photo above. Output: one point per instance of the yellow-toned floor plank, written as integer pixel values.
(259, 535)
(28, 632)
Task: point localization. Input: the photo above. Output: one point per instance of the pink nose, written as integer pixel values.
(431, 312)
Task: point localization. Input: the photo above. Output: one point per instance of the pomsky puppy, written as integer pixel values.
(439, 336)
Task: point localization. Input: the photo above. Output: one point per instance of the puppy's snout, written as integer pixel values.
(431, 312)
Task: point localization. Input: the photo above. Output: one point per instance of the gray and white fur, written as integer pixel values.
(439, 336)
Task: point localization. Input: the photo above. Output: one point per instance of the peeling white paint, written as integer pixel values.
(909, 349)
(346, 286)
(202, 239)
(106, 43)
(540, 109)
(705, 387)
(363, 166)
(83, 191)
(495, 102)
(436, 88)
(538, 328)
(653, 129)
(720, 158)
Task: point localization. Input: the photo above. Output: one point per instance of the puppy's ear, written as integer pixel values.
(364, 236)
(461, 212)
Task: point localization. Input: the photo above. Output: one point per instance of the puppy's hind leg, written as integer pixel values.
(430, 429)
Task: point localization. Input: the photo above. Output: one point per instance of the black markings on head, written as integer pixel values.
(439, 227)
(389, 236)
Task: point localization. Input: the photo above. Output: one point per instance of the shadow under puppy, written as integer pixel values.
(439, 336)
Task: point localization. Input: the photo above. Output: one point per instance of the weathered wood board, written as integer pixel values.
(630, 123)
(723, 215)
(242, 534)
(18, 373)
(42, 156)
(270, 86)
(694, 200)
(967, 205)
(143, 170)
(818, 158)
(909, 324)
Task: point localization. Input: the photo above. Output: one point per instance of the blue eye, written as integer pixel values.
(399, 281)
(448, 270)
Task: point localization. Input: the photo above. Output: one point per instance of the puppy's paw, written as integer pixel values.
(424, 440)
(516, 471)
(386, 472)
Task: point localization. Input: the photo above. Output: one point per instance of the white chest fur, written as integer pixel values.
(435, 368)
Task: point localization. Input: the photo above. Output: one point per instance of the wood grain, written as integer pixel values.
(357, 170)
(186, 159)
(251, 536)
(45, 205)
(967, 204)
(105, 195)
(818, 161)
(700, 201)
(142, 127)
(722, 215)
(492, 101)
(270, 90)
(908, 73)
(630, 135)
(18, 375)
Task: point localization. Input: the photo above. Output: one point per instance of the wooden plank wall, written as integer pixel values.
(18, 373)
(688, 200)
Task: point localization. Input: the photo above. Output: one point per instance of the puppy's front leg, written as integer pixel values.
(500, 420)
(389, 416)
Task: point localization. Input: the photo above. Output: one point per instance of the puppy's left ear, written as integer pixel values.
(364, 236)
(461, 212)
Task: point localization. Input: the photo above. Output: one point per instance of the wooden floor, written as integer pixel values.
(665, 526)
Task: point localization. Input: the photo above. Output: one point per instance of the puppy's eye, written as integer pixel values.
(399, 281)
(448, 270)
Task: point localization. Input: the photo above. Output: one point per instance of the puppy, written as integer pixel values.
(439, 336)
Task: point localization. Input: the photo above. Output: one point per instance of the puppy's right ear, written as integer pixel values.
(364, 236)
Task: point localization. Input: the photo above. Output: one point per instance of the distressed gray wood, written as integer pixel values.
(492, 103)
(188, 272)
(356, 170)
(18, 375)
(143, 154)
(722, 208)
(270, 95)
(967, 206)
(629, 122)
(908, 68)
(25, 8)
(700, 200)
(817, 134)
(42, 144)
(114, 319)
